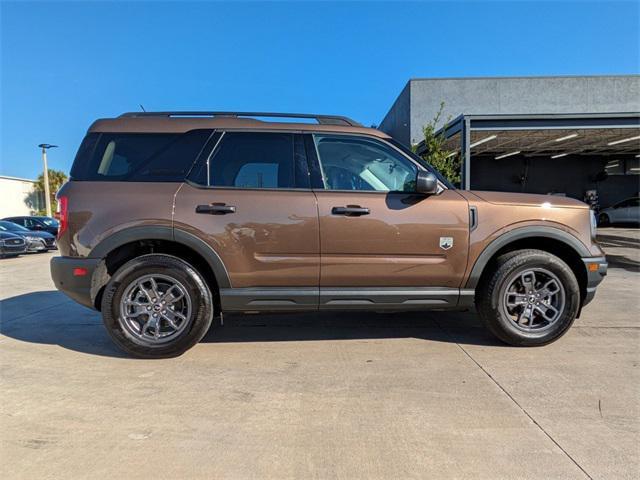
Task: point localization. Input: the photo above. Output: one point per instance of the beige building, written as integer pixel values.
(18, 197)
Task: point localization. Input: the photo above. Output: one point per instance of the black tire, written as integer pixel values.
(195, 287)
(604, 220)
(490, 295)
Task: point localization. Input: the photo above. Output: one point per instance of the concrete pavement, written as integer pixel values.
(321, 396)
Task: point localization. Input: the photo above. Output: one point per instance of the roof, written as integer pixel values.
(525, 77)
(555, 135)
(17, 179)
(180, 122)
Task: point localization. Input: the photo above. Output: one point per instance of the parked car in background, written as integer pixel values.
(627, 211)
(37, 223)
(36, 241)
(11, 245)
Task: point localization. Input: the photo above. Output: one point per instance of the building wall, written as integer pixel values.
(507, 95)
(396, 122)
(18, 197)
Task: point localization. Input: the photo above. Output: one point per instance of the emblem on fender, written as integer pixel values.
(446, 243)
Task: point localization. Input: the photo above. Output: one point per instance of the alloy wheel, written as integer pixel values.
(155, 309)
(534, 299)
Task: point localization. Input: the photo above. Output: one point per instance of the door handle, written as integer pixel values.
(350, 211)
(216, 209)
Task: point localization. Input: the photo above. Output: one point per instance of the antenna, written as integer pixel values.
(141, 107)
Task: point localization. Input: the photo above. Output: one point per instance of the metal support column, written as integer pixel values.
(465, 149)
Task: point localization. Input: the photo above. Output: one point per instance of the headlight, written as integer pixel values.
(594, 224)
(1, 242)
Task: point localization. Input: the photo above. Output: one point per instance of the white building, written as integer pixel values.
(18, 196)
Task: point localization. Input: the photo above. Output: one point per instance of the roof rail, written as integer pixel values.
(321, 119)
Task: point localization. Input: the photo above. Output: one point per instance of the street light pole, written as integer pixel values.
(47, 197)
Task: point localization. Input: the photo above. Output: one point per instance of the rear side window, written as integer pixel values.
(138, 157)
(255, 160)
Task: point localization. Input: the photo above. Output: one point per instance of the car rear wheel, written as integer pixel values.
(530, 298)
(157, 306)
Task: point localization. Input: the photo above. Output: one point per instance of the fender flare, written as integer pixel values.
(518, 234)
(132, 234)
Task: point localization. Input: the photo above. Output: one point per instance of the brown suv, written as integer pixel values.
(172, 218)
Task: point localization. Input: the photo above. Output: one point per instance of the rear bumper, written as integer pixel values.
(596, 268)
(66, 278)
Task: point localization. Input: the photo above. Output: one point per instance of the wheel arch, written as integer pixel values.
(549, 239)
(129, 243)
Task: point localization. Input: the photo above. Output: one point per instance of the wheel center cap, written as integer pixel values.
(157, 307)
(532, 299)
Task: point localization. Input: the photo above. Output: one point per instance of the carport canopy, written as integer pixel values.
(554, 136)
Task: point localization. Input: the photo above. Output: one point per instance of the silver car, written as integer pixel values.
(627, 211)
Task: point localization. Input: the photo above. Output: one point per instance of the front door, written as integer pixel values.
(250, 201)
(379, 241)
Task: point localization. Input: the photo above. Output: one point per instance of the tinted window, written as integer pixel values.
(138, 157)
(254, 160)
(357, 163)
(19, 221)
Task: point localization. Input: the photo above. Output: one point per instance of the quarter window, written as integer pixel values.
(138, 157)
(357, 163)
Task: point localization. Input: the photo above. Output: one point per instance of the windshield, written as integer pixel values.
(421, 161)
(12, 227)
(49, 222)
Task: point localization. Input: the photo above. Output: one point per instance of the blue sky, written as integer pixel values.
(65, 64)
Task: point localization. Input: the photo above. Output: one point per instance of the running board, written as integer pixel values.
(272, 299)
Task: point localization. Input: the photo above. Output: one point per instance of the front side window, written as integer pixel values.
(255, 160)
(358, 163)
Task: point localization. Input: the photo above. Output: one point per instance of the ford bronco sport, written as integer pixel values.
(171, 218)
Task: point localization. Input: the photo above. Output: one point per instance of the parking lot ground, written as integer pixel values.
(321, 395)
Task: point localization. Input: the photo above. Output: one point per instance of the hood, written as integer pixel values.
(35, 233)
(7, 235)
(528, 199)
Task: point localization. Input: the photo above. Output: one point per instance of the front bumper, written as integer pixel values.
(73, 276)
(13, 249)
(596, 268)
(37, 245)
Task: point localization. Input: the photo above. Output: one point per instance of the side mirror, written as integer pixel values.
(426, 183)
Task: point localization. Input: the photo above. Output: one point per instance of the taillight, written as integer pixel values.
(63, 210)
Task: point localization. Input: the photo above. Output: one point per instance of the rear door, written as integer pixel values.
(250, 200)
(376, 232)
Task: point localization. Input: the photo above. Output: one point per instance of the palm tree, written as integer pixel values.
(56, 179)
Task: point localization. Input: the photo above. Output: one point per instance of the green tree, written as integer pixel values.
(56, 179)
(447, 162)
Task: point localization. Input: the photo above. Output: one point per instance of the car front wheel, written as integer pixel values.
(530, 298)
(157, 306)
